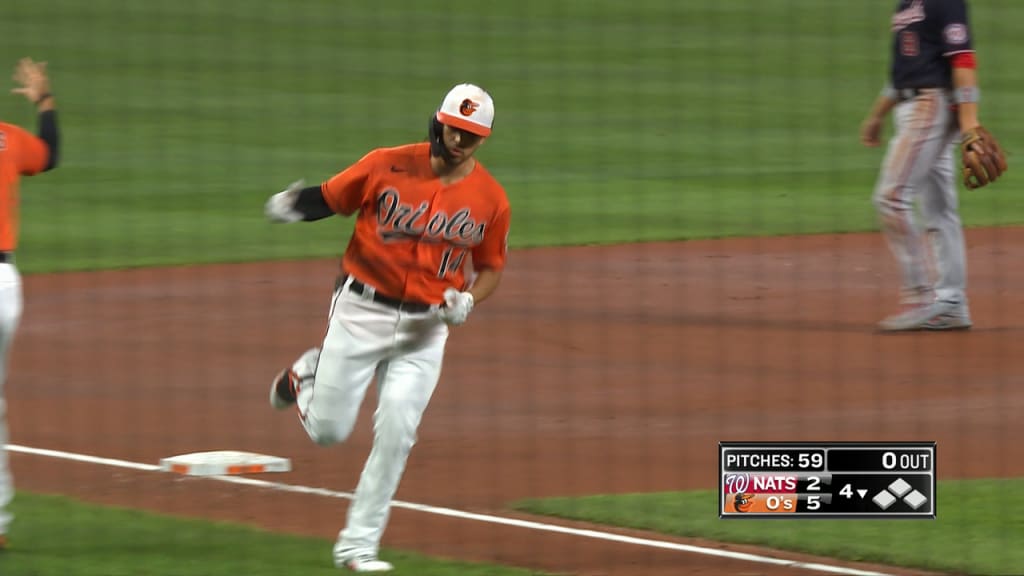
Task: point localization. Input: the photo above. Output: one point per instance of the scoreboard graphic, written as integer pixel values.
(868, 480)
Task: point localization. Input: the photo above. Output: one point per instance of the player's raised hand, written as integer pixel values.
(33, 79)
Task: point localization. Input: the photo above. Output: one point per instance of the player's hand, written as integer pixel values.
(871, 131)
(281, 206)
(457, 306)
(32, 77)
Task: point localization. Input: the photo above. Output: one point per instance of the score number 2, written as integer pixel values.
(813, 485)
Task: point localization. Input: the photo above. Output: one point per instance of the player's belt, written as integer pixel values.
(359, 288)
(6, 257)
(904, 94)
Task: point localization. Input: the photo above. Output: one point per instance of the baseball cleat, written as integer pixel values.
(957, 319)
(282, 390)
(285, 388)
(368, 563)
(927, 316)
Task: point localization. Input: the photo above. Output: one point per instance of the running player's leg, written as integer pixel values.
(10, 315)
(333, 379)
(406, 383)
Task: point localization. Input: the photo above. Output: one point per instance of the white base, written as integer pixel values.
(224, 462)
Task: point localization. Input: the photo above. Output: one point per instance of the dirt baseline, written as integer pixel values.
(593, 370)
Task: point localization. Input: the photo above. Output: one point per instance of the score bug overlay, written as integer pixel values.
(826, 480)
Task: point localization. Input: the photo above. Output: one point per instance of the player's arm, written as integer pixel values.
(489, 262)
(342, 194)
(982, 157)
(312, 204)
(965, 91)
(42, 154)
(489, 257)
(49, 132)
(297, 203)
(958, 48)
(871, 128)
(486, 283)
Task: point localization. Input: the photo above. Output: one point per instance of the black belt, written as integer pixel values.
(904, 94)
(359, 288)
(6, 257)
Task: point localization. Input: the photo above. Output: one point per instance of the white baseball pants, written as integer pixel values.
(404, 351)
(919, 168)
(10, 315)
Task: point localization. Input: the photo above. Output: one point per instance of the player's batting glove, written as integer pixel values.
(281, 206)
(983, 158)
(457, 306)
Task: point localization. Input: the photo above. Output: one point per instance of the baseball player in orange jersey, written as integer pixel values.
(21, 154)
(424, 212)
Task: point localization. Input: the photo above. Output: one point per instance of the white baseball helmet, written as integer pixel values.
(468, 107)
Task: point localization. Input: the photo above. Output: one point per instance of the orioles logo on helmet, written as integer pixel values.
(743, 502)
(468, 107)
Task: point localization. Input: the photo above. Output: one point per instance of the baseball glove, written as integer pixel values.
(983, 158)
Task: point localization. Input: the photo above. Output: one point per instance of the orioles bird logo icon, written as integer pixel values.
(743, 502)
(468, 107)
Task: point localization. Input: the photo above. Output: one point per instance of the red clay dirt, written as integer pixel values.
(592, 370)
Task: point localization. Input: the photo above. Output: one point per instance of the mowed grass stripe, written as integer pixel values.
(651, 120)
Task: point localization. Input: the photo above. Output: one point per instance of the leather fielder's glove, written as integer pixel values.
(457, 306)
(983, 158)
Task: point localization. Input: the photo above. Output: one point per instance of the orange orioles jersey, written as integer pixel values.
(414, 235)
(21, 154)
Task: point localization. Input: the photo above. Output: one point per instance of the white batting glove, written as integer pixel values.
(457, 306)
(281, 206)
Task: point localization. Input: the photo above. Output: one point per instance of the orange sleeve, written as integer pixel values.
(344, 191)
(492, 251)
(30, 152)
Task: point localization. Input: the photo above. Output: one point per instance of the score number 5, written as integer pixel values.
(813, 485)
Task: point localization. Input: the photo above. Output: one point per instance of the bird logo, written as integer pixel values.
(743, 501)
(468, 107)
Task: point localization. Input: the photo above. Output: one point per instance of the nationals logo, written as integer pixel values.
(955, 34)
(735, 483)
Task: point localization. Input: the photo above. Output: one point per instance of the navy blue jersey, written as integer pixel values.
(926, 33)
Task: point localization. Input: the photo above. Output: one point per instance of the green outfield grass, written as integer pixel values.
(55, 536)
(617, 121)
(977, 531)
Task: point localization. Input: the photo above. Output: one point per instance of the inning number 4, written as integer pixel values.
(451, 260)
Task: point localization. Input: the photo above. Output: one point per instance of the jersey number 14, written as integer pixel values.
(451, 260)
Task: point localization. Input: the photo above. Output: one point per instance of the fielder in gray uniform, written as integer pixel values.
(933, 91)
